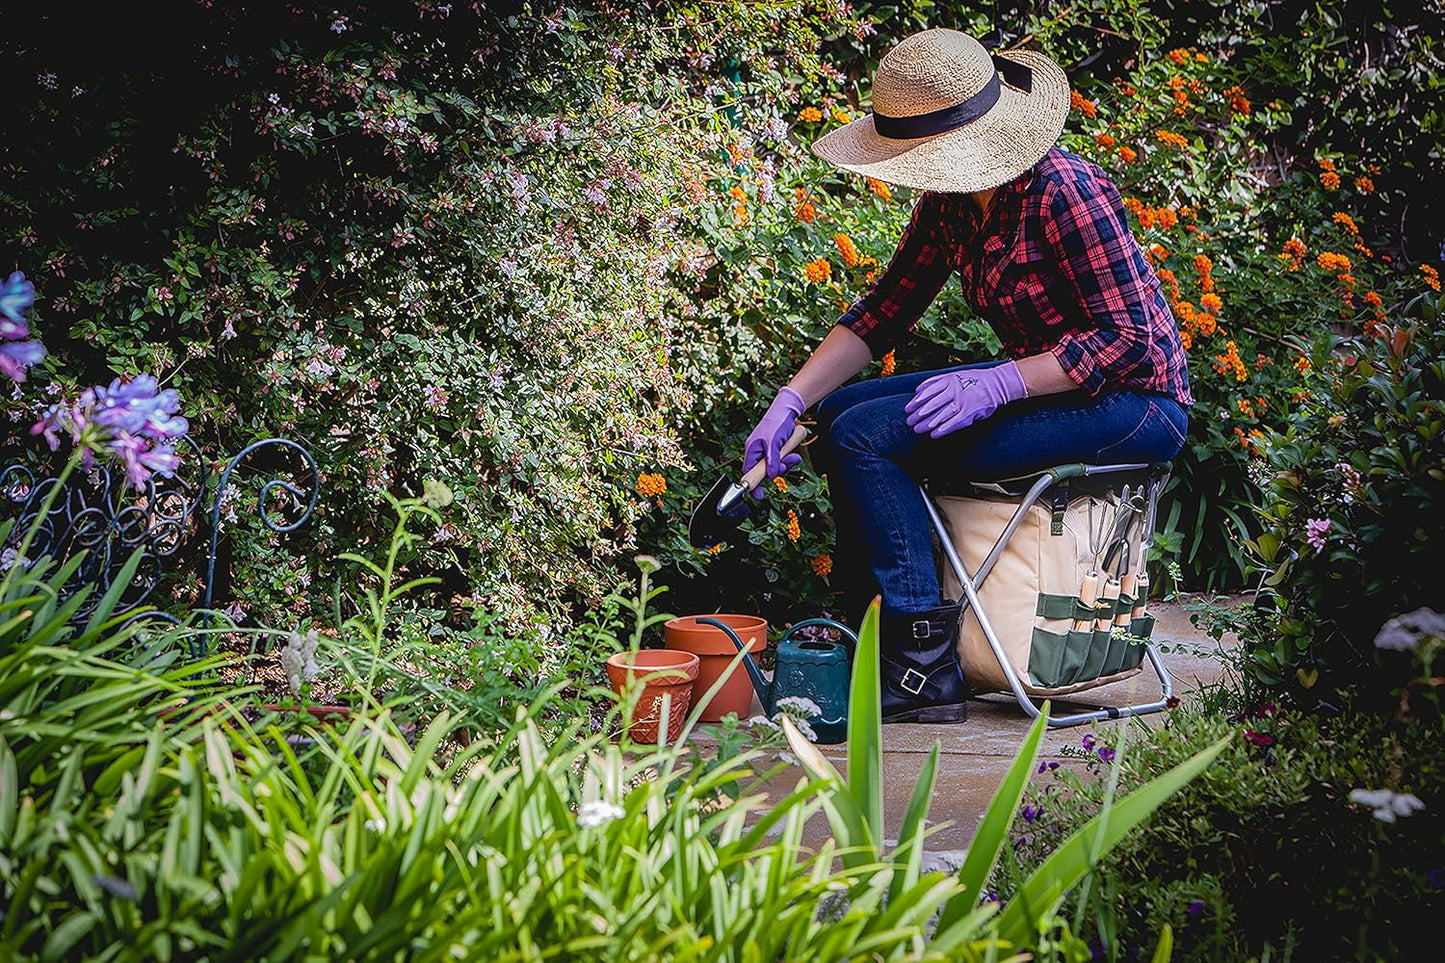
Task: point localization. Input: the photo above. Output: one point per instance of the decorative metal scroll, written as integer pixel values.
(100, 515)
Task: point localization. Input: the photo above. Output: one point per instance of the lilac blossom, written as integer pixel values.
(17, 353)
(1317, 532)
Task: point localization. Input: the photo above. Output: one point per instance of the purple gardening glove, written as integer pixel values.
(956, 399)
(767, 440)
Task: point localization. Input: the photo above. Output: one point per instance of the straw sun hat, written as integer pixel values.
(949, 116)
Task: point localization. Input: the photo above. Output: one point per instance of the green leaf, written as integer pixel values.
(992, 831)
(865, 725)
(910, 834)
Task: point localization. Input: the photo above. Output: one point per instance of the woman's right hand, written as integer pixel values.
(772, 432)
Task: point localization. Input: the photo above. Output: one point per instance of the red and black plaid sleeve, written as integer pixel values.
(1130, 339)
(913, 279)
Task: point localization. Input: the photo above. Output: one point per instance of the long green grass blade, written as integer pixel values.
(1165, 950)
(992, 831)
(865, 726)
(1068, 864)
(908, 857)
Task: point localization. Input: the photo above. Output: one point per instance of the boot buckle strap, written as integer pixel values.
(922, 629)
(913, 682)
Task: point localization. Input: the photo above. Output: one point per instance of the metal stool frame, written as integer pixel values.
(1158, 475)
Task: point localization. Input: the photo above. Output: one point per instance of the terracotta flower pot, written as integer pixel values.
(662, 672)
(716, 652)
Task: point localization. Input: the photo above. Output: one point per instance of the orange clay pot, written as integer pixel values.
(662, 672)
(716, 652)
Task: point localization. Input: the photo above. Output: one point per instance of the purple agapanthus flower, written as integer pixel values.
(16, 352)
(1106, 754)
(133, 421)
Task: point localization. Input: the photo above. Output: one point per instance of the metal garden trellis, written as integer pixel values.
(99, 515)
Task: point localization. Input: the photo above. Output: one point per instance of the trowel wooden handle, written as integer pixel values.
(759, 472)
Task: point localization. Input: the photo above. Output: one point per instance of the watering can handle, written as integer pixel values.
(726, 628)
(849, 636)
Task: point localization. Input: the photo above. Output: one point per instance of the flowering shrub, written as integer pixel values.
(559, 261)
(1355, 509)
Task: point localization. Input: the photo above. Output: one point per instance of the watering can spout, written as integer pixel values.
(761, 683)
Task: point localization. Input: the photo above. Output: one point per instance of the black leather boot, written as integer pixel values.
(922, 680)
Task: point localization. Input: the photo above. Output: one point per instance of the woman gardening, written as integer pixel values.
(1042, 246)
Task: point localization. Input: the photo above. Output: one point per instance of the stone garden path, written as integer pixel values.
(975, 755)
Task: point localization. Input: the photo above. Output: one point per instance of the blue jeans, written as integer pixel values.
(874, 462)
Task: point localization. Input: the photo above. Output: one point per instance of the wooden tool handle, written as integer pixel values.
(1126, 587)
(759, 472)
(1105, 621)
(1142, 598)
(1089, 596)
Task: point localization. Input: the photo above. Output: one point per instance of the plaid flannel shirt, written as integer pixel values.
(1052, 266)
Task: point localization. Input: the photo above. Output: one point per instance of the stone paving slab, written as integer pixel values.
(975, 755)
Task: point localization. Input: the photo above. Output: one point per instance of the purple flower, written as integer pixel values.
(1106, 754)
(16, 353)
(132, 421)
(1088, 740)
(1029, 813)
(1316, 532)
(1258, 738)
(1196, 907)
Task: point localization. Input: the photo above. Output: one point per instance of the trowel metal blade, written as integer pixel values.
(718, 515)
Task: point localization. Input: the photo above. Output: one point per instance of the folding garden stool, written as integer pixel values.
(1065, 610)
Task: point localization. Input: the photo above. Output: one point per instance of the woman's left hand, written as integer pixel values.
(956, 399)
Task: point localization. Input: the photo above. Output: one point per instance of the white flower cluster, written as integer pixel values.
(1404, 632)
(298, 659)
(1387, 805)
(598, 812)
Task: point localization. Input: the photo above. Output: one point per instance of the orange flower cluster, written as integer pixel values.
(1364, 184)
(841, 116)
(715, 549)
(1085, 107)
(1331, 261)
(650, 486)
(1156, 254)
(1230, 362)
(846, 249)
(880, 188)
(1251, 441)
(740, 208)
(1105, 141)
(1345, 221)
(1237, 101)
(1329, 180)
(1177, 91)
(1186, 340)
(1161, 217)
(795, 531)
(1302, 364)
(817, 270)
(1294, 252)
(1204, 266)
(1171, 139)
(1211, 302)
(1166, 277)
(805, 210)
(1127, 155)
(889, 364)
(780, 483)
(810, 115)
(822, 565)
(1179, 55)
(1373, 299)
(1432, 277)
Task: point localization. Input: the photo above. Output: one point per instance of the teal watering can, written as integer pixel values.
(812, 669)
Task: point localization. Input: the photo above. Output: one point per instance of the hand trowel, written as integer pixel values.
(727, 504)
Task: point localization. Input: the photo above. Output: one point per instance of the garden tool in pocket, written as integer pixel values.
(724, 508)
